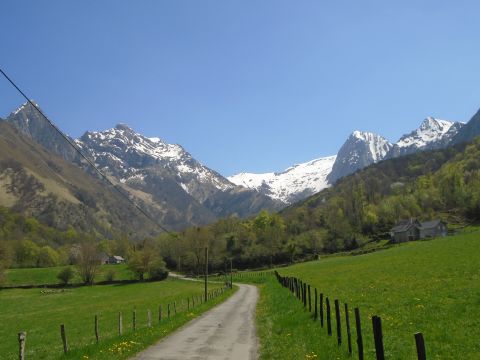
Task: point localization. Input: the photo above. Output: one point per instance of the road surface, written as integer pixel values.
(224, 332)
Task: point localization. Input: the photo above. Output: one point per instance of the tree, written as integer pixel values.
(65, 275)
(26, 253)
(88, 262)
(158, 270)
(139, 263)
(5, 260)
(47, 257)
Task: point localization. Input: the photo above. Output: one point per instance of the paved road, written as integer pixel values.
(224, 332)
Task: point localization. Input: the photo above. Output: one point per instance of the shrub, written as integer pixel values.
(47, 257)
(158, 270)
(110, 275)
(65, 275)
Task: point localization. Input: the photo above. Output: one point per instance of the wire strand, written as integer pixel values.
(89, 161)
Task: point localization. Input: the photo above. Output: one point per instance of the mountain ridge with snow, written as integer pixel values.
(291, 185)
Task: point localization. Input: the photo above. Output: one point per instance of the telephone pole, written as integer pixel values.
(231, 274)
(206, 273)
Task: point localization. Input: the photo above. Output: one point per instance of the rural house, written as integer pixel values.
(115, 259)
(412, 229)
(405, 230)
(433, 228)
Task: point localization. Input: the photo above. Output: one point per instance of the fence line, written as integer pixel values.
(302, 291)
(212, 294)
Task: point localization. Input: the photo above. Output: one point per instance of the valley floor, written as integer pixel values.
(40, 312)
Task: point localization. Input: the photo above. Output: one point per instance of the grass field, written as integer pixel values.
(41, 276)
(40, 313)
(431, 287)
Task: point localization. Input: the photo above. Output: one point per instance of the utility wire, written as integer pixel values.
(88, 160)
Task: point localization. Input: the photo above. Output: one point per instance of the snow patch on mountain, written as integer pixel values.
(378, 145)
(132, 153)
(430, 130)
(293, 184)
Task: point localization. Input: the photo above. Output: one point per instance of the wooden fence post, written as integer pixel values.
(358, 326)
(149, 318)
(321, 309)
(64, 338)
(168, 310)
(175, 307)
(378, 337)
(309, 299)
(120, 323)
(347, 324)
(134, 319)
(339, 322)
(305, 296)
(329, 319)
(420, 342)
(22, 337)
(316, 305)
(96, 328)
(160, 313)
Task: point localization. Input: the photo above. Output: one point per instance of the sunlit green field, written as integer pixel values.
(431, 287)
(40, 312)
(42, 276)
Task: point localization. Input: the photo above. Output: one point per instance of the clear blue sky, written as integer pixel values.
(244, 85)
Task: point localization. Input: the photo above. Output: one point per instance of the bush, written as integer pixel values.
(47, 257)
(158, 270)
(110, 275)
(65, 275)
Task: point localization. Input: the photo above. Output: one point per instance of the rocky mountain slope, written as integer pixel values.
(165, 177)
(469, 131)
(37, 183)
(360, 150)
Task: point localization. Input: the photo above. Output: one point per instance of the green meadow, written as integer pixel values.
(40, 312)
(431, 287)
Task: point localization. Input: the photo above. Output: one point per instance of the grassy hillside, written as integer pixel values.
(40, 313)
(431, 287)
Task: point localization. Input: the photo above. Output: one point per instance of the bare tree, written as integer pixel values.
(88, 262)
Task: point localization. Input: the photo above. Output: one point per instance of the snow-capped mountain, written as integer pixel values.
(130, 156)
(359, 150)
(175, 188)
(432, 134)
(182, 191)
(291, 185)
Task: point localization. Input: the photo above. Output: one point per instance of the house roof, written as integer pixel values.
(117, 257)
(431, 224)
(402, 227)
(405, 225)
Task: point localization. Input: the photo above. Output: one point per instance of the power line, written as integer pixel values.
(88, 160)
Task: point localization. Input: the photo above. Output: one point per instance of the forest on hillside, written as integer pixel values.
(357, 209)
(360, 208)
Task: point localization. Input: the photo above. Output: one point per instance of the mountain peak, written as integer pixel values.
(437, 124)
(431, 130)
(123, 126)
(361, 149)
(25, 106)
